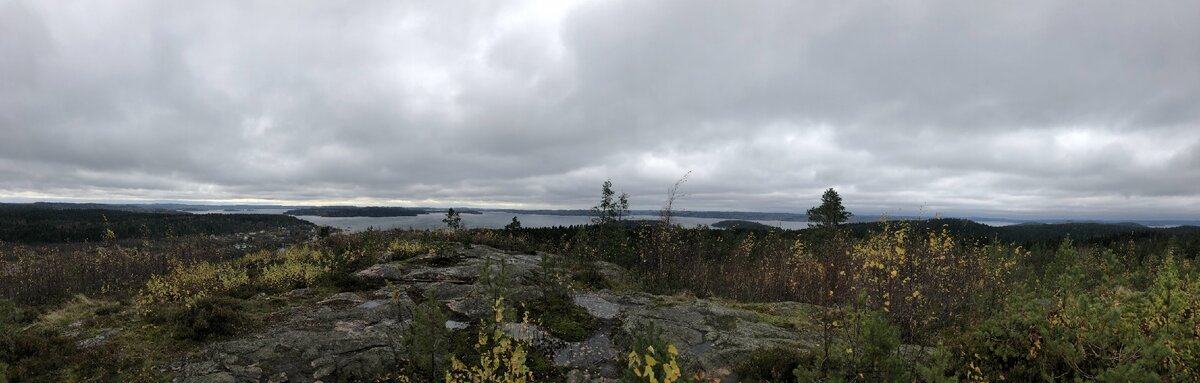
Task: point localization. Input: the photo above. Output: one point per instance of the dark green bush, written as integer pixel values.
(11, 315)
(591, 278)
(867, 349)
(26, 355)
(427, 341)
(209, 318)
(560, 316)
(769, 365)
(544, 369)
(349, 282)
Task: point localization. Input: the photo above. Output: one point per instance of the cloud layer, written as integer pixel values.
(1033, 108)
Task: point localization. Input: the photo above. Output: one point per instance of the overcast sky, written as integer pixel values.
(1008, 108)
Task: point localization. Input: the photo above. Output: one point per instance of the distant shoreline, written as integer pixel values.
(369, 212)
(720, 215)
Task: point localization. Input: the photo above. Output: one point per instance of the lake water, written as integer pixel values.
(487, 220)
(997, 223)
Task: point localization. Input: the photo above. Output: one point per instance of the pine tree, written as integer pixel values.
(831, 213)
(514, 225)
(453, 220)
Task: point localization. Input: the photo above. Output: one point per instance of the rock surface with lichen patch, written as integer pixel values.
(357, 336)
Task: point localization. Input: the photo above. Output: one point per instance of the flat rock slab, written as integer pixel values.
(597, 306)
(711, 335)
(590, 354)
(384, 271)
(343, 299)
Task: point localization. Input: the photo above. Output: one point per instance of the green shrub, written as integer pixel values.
(559, 315)
(34, 355)
(427, 341)
(1103, 332)
(591, 278)
(866, 350)
(495, 278)
(405, 249)
(344, 281)
(10, 315)
(769, 365)
(209, 318)
(938, 367)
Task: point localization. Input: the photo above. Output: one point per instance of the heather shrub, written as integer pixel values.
(208, 318)
(769, 365)
(558, 314)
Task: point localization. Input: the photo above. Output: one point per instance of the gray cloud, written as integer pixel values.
(1060, 108)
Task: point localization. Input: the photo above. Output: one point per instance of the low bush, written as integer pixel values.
(866, 348)
(651, 358)
(78, 309)
(769, 365)
(209, 318)
(289, 275)
(427, 341)
(28, 355)
(11, 315)
(591, 278)
(349, 282)
(501, 358)
(188, 283)
(1106, 333)
(559, 315)
(407, 248)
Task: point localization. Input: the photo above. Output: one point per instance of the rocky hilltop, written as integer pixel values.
(358, 335)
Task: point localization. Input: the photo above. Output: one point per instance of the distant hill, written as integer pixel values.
(48, 223)
(733, 224)
(1034, 232)
(82, 206)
